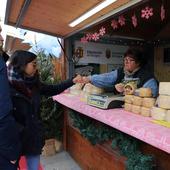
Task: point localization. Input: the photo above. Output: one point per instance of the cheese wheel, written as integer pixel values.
(145, 92)
(91, 89)
(127, 107)
(136, 109)
(148, 102)
(77, 86)
(145, 111)
(164, 101)
(88, 88)
(164, 88)
(97, 90)
(129, 99)
(75, 92)
(158, 113)
(137, 100)
(167, 116)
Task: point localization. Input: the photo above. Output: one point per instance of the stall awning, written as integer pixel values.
(53, 16)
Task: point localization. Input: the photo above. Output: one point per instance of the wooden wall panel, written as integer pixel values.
(161, 70)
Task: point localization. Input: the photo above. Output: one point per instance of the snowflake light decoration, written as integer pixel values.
(89, 36)
(84, 40)
(147, 12)
(114, 24)
(95, 36)
(162, 12)
(121, 20)
(134, 20)
(102, 31)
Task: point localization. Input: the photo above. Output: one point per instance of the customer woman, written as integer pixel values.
(26, 89)
(133, 70)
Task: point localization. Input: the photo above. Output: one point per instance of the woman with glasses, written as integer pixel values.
(132, 70)
(26, 89)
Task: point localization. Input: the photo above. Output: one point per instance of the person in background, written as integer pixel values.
(26, 89)
(133, 70)
(9, 136)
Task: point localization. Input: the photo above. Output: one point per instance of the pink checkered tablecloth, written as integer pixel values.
(135, 125)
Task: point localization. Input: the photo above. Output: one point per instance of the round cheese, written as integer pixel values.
(128, 99)
(164, 101)
(145, 92)
(145, 111)
(164, 88)
(136, 109)
(137, 100)
(127, 107)
(167, 116)
(75, 92)
(158, 113)
(148, 102)
(77, 86)
(91, 89)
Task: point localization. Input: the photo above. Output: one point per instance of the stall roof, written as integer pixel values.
(53, 16)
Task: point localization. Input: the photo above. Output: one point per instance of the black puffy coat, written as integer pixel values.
(26, 114)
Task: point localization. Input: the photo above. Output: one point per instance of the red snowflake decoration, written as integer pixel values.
(121, 20)
(84, 40)
(134, 20)
(147, 12)
(95, 36)
(102, 31)
(114, 24)
(162, 12)
(89, 36)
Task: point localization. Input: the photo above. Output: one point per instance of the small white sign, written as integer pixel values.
(101, 53)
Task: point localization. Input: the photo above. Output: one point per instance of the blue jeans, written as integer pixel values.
(33, 162)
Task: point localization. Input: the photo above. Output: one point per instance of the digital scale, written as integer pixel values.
(105, 101)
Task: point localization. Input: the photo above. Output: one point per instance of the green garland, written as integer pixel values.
(97, 132)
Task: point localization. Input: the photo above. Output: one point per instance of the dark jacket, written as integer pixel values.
(9, 137)
(26, 114)
(5, 100)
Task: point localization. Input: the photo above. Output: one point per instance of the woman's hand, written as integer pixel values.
(78, 79)
(85, 80)
(119, 87)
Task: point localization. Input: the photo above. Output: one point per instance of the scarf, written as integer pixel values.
(25, 85)
(129, 76)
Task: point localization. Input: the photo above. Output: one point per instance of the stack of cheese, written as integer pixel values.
(162, 112)
(141, 103)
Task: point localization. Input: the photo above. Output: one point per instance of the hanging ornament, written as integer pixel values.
(134, 20)
(102, 31)
(83, 40)
(95, 36)
(114, 24)
(162, 12)
(121, 20)
(88, 37)
(147, 12)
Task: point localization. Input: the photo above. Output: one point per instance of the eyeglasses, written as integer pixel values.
(34, 63)
(129, 60)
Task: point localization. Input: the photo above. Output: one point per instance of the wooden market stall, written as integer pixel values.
(144, 24)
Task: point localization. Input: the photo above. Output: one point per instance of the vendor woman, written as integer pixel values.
(133, 70)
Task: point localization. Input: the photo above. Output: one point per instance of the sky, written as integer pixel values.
(48, 43)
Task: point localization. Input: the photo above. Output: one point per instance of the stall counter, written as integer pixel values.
(134, 125)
